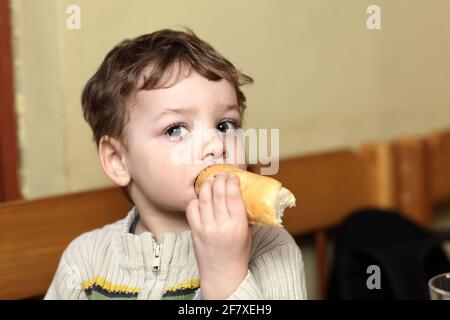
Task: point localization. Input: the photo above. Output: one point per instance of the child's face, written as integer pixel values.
(163, 164)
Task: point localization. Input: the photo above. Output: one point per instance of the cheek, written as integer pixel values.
(147, 161)
(178, 154)
(159, 178)
(174, 186)
(167, 168)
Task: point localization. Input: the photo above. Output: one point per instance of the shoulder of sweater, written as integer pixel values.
(90, 241)
(265, 239)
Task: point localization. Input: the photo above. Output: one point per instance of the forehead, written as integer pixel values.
(194, 91)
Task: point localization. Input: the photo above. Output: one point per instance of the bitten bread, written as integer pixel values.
(265, 199)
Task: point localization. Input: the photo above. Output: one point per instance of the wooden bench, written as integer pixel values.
(33, 235)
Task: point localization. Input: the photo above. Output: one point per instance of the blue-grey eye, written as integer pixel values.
(176, 131)
(225, 128)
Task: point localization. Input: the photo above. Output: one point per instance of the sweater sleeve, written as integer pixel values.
(66, 284)
(248, 289)
(277, 274)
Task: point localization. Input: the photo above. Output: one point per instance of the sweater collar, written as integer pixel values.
(137, 251)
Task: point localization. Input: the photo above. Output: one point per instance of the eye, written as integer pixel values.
(224, 127)
(176, 130)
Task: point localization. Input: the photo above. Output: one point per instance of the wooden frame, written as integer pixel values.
(411, 180)
(438, 156)
(422, 175)
(9, 156)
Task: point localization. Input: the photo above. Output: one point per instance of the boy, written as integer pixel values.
(142, 104)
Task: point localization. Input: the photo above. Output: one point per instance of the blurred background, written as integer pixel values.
(322, 77)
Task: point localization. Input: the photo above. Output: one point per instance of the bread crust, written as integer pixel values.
(259, 193)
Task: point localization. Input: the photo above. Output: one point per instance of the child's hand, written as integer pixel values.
(221, 236)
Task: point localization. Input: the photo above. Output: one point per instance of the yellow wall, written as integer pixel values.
(321, 76)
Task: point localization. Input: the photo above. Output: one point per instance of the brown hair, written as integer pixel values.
(144, 63)
(150, 58)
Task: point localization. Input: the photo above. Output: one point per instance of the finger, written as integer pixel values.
(219, 197)
(193, 215)
(250, 232)
(235, 203)
(205, 202)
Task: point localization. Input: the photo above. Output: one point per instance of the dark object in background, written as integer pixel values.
(407, 255)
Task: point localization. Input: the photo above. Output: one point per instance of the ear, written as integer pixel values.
(113, 161)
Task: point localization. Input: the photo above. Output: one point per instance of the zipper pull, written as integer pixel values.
(156, 256)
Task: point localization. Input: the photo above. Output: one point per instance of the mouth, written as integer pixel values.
(211, 165)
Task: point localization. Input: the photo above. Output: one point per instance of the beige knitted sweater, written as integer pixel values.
(112, 263)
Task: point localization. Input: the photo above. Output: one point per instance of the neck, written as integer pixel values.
(158, 222)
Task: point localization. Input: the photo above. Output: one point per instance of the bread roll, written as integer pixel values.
(264, 198)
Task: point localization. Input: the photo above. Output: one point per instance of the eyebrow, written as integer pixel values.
(190, 110)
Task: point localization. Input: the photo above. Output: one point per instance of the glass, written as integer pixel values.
(439, 287)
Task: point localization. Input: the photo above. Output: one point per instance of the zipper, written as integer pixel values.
(156, 256)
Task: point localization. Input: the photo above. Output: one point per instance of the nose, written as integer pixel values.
(212, 145)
